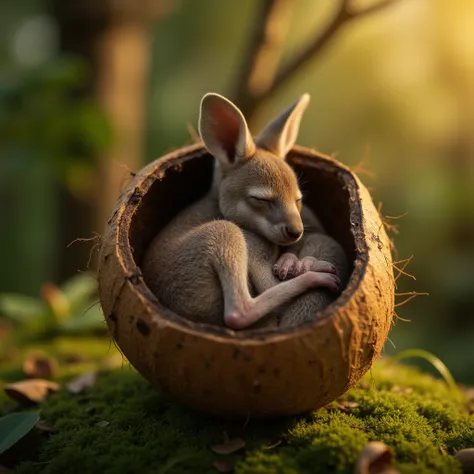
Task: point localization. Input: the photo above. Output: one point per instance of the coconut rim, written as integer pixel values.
(161, 315)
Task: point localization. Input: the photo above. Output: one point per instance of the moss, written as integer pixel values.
(415, 414)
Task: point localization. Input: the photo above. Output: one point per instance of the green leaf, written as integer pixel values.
(89, 319)
(14, 426)
(21, 308)
(437, 363)
(79, 290)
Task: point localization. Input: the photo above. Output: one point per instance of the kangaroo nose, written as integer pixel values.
(293, 232)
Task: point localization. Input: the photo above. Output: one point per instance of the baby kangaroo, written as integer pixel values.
(215, 261)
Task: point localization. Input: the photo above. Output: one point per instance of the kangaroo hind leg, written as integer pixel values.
(228, 254)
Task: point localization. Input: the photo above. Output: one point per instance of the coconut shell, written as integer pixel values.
(257, 373)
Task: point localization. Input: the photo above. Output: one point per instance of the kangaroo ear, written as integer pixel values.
(280, 134)
(224, 131)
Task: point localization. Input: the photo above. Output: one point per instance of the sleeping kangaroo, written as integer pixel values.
(220, 260)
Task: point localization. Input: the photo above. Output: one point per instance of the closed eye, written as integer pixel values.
(262, 199)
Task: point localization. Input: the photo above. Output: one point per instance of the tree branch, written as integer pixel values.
(265, 49)
(251, 99)
(370, 9)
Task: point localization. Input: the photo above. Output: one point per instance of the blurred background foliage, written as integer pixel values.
(92, 90)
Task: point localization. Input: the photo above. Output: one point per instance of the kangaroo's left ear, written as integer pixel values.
(280, 134)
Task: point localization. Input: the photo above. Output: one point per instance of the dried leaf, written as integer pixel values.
(38, 366)
(375, 458)
(45, 428)
(223, 466)
(231, 446)
(346, 406)
(402, 390)
(442, 451)
(466, 458)
(82, 382)
(102, 424)
(30, 391)
(350, 405)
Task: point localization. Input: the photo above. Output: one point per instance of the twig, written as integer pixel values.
(251, 99)
(265, 49)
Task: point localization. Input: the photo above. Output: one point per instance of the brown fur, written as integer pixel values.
(214, 262)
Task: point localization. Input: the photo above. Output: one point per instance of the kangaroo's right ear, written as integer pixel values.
(224, 131)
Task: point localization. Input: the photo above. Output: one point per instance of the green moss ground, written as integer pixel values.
(416, 415)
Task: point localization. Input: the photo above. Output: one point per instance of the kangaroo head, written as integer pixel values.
(257, 189)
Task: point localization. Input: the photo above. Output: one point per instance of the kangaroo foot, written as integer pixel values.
(246, 313)
(312, 264)
(289, 266)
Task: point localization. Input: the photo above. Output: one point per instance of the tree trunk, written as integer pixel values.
(112, 37)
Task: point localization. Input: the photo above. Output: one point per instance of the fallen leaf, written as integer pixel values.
(401, 390)
(82, 382)
(39, 366)
(30, 391)
(45, 428)
(102, 424)
(231, 446)
(350, 405)
(15, 426)
(223, 466)
(345, 406)
(375, 458)
(466, 459)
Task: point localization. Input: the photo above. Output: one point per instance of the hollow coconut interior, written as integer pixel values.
(330, 190)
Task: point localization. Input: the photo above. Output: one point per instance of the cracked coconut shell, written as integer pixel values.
(256, 373)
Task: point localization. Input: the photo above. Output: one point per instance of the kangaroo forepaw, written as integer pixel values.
(289, 266)
(311, 264)
(285, 265)
(324, 280)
